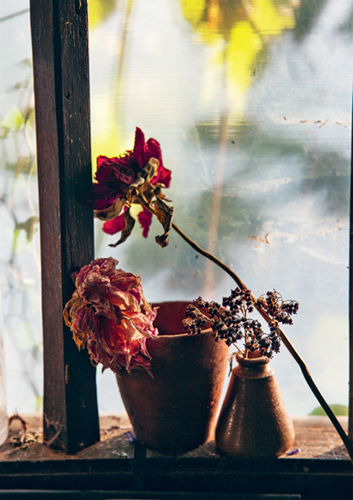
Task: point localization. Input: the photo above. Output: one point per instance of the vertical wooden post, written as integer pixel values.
(61, 84)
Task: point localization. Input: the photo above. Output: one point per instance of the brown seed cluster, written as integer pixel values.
(230, 321)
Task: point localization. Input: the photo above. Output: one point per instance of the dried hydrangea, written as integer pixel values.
(230, 320)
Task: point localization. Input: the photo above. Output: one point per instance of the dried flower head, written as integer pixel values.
(231, 323)
(109, 315)
(135, 177)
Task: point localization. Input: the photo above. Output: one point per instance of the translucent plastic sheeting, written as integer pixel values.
(251, 103)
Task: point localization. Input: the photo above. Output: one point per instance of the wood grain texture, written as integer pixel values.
(61, 85)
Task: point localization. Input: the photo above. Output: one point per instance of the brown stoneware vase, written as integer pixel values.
(175, 410)
(254, 421)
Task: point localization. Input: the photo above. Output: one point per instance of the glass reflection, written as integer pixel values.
(251, 102)
(19, 248)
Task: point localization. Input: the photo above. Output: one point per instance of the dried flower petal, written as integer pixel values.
(145, 219)
(130, 437)
(293, 452)
(114, 225)
(109, 314)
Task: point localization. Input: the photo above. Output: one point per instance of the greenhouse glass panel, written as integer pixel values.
(20, 294)
(251, 103)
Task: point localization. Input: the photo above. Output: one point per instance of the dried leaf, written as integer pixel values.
(145, 175)
(112, 211)
(164, 214)
(129, 226)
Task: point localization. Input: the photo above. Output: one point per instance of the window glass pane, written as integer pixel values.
(19, 247)
(251, 102)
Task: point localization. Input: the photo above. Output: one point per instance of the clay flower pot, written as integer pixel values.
(254, 421)
(175, 411)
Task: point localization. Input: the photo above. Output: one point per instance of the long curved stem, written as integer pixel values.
(209, 256)
(283, 336)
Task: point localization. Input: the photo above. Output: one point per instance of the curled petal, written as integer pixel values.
(139, 146)
(128, 282)
(143, 178)
(114, 225)
(112, 211)
(116, 173)
(132, 331)
(124, 300)
(153, 150)
(145, 219)
(163, 176)
(113, 176)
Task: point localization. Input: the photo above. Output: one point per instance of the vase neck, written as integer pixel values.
(253, 367)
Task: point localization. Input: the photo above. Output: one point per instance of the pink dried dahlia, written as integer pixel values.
(109, 315)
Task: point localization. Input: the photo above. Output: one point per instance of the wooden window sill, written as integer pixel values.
(315, 438)
(321, 469)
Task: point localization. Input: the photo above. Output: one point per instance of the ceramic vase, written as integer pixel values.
(175, 410)
(254, 421)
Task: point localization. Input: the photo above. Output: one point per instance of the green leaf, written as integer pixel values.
(14, 120)
(25, 63)
(39, 403)
(99, 11)
(16, 234)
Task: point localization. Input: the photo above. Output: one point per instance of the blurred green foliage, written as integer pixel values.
(99, 11)
(338, 410)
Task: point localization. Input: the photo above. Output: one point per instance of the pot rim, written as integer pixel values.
(261, 360)
(181, 335)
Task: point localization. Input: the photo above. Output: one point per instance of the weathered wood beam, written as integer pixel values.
(61, 85)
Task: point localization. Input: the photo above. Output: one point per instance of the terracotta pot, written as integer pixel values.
(175, 411)
(254, 421)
